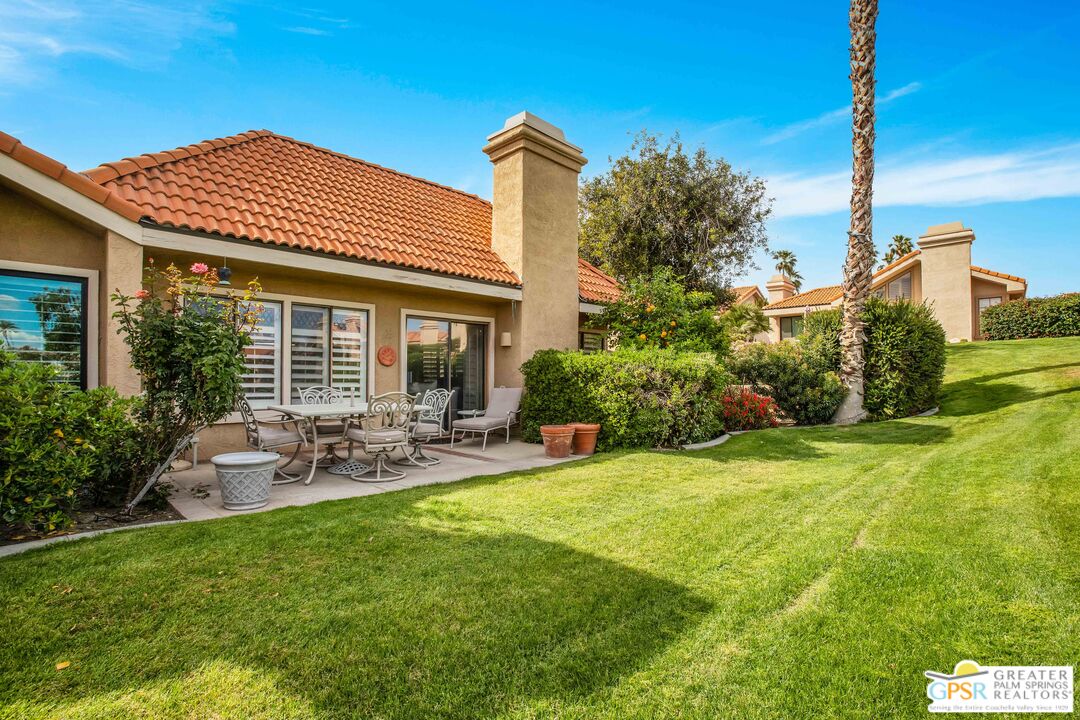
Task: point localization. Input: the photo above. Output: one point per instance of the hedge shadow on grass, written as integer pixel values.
(811, 443)
(984, 393)
(417, 612)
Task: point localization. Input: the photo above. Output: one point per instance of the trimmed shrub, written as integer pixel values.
(746, 410)
(642, 398)
(803, 387)
(43, 461)
(905, 354)
(1057, 316)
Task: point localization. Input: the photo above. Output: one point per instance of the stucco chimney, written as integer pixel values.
(780, 288)
(946, 276)
(534, 228)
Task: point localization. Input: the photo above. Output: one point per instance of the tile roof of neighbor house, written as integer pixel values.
(742, 292)
(1005, 276)
(831, 293)
(74, 180)
(817, 296)
(594, 285)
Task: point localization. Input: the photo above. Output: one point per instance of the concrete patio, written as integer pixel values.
(197, 496)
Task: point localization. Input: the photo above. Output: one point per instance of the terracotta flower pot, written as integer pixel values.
(585, 437)
(557, 440)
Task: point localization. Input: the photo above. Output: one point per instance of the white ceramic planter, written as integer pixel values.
(245, 478)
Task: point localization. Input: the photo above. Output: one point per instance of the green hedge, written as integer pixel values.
(804, 387)
(1057, 316)
(905, 355)
(641, 398)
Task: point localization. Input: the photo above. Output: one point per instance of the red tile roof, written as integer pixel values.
(594, 285)
(817, 296)
(76, 181)
(743, 292)
(832, 293)
(280, 191)
(1006, 276)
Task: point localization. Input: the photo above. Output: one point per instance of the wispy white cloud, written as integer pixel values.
(972, 180)
(789, 131)
(303, 30)
(138, 33)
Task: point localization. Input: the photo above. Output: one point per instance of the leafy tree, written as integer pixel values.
(660, 207)
(785, 265)
(899, 246)
(6, 328)
(657, 311)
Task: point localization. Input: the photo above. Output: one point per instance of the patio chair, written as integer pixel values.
(331, 430)
(263, 435)
(385, 429)
(428, 426)
(502, 412)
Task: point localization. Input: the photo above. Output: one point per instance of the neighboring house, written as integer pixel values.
(353, 258)
(939, 271)
(748, 294)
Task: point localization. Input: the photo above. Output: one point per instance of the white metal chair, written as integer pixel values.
(330, 431)
(262, 436)
(502, 412)
(428, 426)
(383, 430)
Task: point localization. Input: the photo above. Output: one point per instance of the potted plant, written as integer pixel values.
(585, 437)
(557, 440)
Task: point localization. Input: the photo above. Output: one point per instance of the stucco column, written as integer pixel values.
(946, 277)
(123, 272)
(534, 228)
(779, 288)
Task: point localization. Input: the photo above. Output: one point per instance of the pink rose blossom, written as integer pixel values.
(200, 269)
(142, 294)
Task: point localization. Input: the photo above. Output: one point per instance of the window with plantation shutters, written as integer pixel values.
(262, 358)
(900, 288)
(43, 320)
(328, 347)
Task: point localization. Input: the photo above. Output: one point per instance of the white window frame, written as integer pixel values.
(403, 343)
(93, 314)
(1000, 299)
(287, 301)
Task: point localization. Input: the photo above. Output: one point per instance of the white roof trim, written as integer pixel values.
(590, 308)
(256, 251)
(55, 191)
(1010, 285)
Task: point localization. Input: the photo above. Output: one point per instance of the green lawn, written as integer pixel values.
(789, 573)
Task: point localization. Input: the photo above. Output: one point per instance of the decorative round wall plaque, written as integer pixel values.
(387, 356)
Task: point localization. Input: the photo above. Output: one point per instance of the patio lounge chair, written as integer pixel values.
(502, 412)
(383, 430)
(428, 426)
(262, 435)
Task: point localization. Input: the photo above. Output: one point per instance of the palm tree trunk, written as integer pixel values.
(859, 267)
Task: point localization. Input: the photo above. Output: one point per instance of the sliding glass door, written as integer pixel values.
(450, 355)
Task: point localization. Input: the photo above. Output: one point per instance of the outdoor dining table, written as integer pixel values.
(309, 414)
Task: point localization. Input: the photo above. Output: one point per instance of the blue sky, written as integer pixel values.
(979, 102)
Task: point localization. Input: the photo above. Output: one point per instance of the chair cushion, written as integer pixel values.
(271, 437)
(426, 428)
(480, 423)
(331, 427)
(377, 437)
(504, 400)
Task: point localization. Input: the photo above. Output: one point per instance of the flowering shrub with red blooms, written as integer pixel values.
(744, 409)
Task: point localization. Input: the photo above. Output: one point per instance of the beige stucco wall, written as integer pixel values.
(981, 288)
(32, 232)
(534, 229)
(389, 299)
(946, 282)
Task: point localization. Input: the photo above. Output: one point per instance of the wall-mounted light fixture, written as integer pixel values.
(504, 340)
(224, 272)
